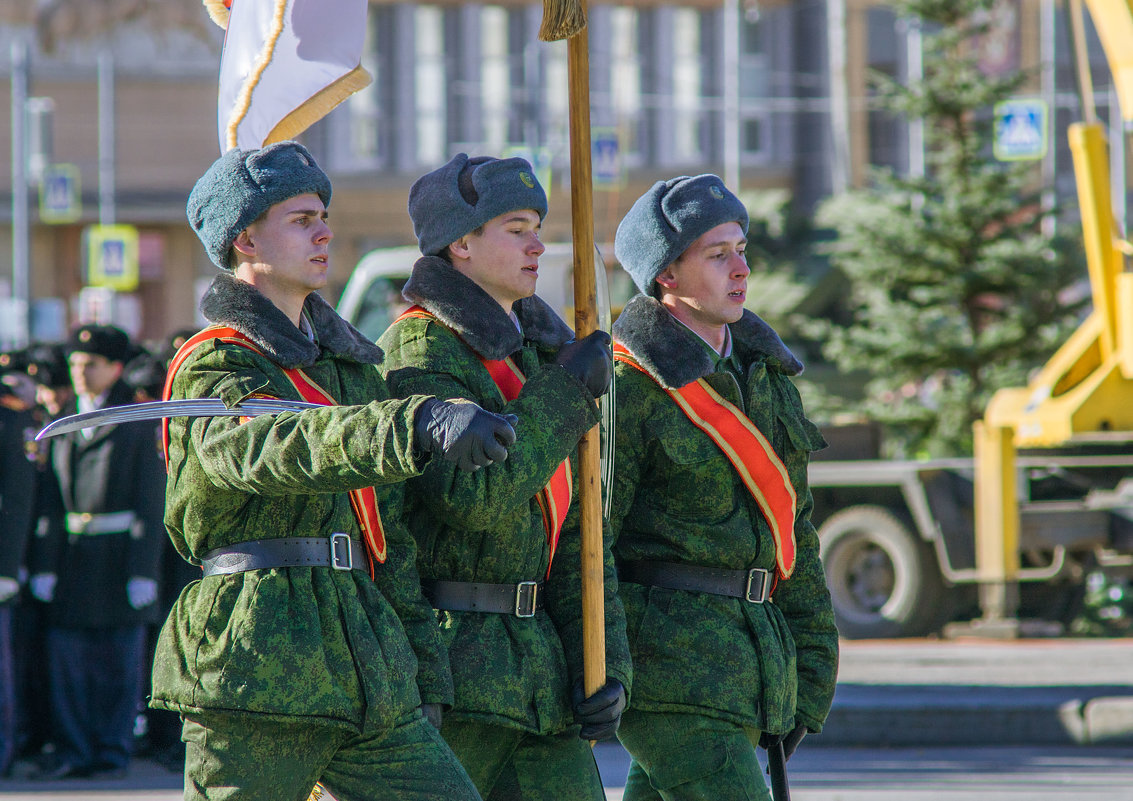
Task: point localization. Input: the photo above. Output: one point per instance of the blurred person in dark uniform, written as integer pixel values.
(17, 493)
(46, 365)
(97, 564)
(145, 373)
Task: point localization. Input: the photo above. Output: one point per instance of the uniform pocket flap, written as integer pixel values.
(804, 434)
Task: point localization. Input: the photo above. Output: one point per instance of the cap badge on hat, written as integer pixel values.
(526, 179)
(84, 336)
(716, 192)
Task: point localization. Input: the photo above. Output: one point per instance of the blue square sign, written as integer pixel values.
(1020, 129)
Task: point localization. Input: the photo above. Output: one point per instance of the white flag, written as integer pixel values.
(285, 65)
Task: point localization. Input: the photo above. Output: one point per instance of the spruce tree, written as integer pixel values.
(956, 290)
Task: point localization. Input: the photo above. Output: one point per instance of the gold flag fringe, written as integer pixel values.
(318, 105)
(244, 99)
(218, 12)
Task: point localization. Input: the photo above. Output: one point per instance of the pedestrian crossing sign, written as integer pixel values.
(60, 199)
(112, 257)
(608, 167)
(1020, 129)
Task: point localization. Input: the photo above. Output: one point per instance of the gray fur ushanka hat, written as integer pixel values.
(663, 222)
(465, 193)
(243, 184)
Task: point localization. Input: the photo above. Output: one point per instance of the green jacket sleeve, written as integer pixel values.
(358, 446)
(554, 410)
(804, 599)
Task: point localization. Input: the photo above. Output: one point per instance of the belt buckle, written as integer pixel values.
(335, 561)
(530, 589)
(764, 582)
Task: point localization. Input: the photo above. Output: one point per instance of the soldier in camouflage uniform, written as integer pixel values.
(288, 663)
(728, 652)
(485, 551)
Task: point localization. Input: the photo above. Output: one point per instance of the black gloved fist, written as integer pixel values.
(589, 360)
(462, 432)
(434, 713)
(600, 713)
(790, 740)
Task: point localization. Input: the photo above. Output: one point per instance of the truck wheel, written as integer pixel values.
(883, 580)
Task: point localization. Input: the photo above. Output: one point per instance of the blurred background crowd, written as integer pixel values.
(87, 574)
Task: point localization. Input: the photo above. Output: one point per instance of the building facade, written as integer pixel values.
(475, 78)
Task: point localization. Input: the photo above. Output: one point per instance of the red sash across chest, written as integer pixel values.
(759, 467)
(363, 501)
(554, 498)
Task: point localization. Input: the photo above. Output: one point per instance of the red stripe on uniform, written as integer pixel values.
(759, 467)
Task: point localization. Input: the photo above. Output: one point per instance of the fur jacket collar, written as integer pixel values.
(671, 354)
(459, 302)
(237, 304)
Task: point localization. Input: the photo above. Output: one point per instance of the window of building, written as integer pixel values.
(365, 107)
(687, 82)
(754, 89)
(495, 77)
(752, 136)
(430, 78)
(556, 94)
(886, 132)
(625, 80)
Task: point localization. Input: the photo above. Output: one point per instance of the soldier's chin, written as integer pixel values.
(736, 314)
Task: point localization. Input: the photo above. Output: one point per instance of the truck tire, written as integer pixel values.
(883, 579)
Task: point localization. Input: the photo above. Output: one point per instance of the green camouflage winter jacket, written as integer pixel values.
(677, 498)
(294, 642)
(486, 526)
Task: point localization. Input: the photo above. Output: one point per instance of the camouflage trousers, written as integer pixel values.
(683, 757)
(512, 765)
(235, 757)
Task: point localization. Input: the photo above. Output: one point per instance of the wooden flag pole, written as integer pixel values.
(585, 323)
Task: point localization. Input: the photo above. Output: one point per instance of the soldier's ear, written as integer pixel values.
(667, 278)
(243, 243)
(459, 248)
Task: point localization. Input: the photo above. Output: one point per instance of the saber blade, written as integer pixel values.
(156, 410)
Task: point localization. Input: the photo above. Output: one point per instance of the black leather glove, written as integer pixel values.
(790, 740)
(434, 713)
(462, 432)
(589, 360)
(600, 713)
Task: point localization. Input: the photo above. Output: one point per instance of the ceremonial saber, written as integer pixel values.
(157, 410)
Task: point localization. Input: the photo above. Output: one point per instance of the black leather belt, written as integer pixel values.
(337, 551)
(522, 600)
(753, 585)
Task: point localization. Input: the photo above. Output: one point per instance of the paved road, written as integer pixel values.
(913, 720)
(1036, 773)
